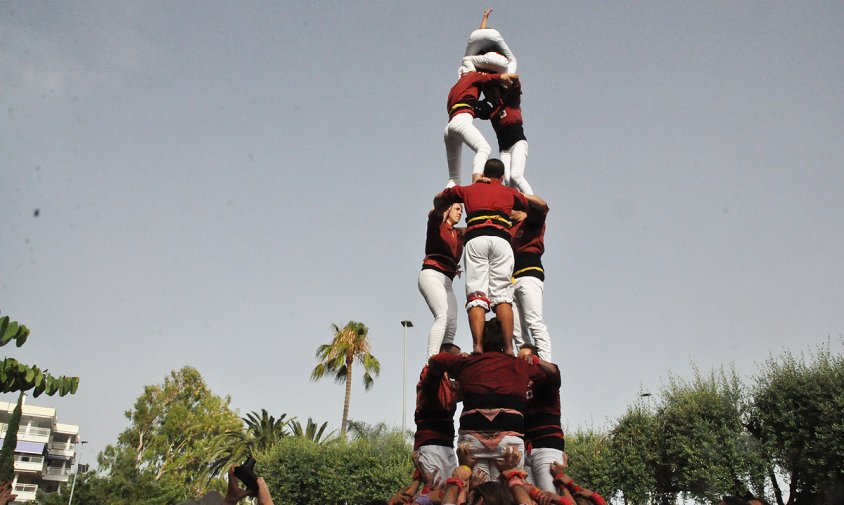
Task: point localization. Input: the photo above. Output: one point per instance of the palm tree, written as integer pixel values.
(312, 431)
(350, 344)
(265, 430)
(234, 446)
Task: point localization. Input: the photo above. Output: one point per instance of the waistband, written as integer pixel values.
(528, 265)
(461, 107)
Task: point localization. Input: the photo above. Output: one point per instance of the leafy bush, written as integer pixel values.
(301, 471)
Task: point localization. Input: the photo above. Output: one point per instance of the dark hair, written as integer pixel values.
(532, 348)
(494, 168)
(493, 493)
(493, 337)
(450, 348)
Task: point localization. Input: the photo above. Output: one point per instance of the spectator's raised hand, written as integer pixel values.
(234, 493)
(6, 495)
(264, 497)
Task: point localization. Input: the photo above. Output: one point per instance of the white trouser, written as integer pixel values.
(538, 464)
(489, 265)
(488, 41)
(515, 159)
(492, 62)
(439, 295)
(437, 461)
(485, 457)
(527, 316)
(460, 130)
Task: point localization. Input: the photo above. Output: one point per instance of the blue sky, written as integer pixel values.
(218, 182)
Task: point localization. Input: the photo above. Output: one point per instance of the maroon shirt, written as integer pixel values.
(436, 403)
(488, 207)
(491, 380)
(509, 110)
(529, 244)
(464, 94)
(542, 414)
(443, 245)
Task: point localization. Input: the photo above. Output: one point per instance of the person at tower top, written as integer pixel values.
(486, 50)
(488, 254)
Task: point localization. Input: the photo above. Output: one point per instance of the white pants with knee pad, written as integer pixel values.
(528, 324)
(515, 159)
(438, 461)
(436, 288)
(538, 464)
(489, 265)
(459, 131)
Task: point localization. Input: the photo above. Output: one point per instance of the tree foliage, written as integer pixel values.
(233, 447)
(636, 455)
(590, 463)
(171, 436)
(705, 443)
(16, 376)
(349, 345)
(312, 431)
(798, 414)
(10, 441)
(304, 472)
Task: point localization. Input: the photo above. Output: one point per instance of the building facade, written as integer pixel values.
(46, 450)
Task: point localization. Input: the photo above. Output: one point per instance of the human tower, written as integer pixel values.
(510, 435)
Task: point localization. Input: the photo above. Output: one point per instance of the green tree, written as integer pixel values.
(354, 471)
(360, 429)
(312, 431)
(262, 432)
(171, 436)
(16, 376)
(636, 455)
(798, 414)
(349, 345)
(705, 442)
(590, 463)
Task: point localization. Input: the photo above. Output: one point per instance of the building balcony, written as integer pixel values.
(29, 463)
(25, 492)
(28, 433)
(61, 450)
(55, 474)
(68, 429)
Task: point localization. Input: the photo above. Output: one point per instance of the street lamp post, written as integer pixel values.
(406, 324)
(73, 486)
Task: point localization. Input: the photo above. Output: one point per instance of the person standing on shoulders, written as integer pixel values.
(529, 276)
(488, 254)
(443, 249)
(460, 128)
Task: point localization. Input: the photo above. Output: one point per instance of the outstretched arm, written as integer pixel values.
(487, 12)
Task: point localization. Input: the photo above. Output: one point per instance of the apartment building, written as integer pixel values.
(46, 449)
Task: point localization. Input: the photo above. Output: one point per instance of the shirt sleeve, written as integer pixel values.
(520, 202)
(446, 362)
(453, 194)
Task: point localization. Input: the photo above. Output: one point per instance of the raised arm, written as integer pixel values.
(484, 20)
(537, 203)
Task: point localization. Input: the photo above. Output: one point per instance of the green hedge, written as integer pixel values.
(303, 472)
